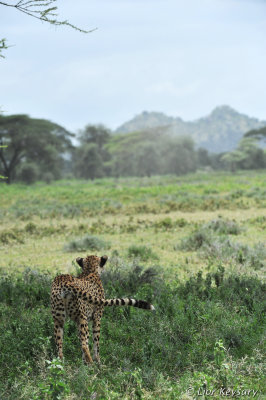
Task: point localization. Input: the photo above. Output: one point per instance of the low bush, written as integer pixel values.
(168, 223)
(28, 290)
(11, 236)
(223, 227)
(196, 240)
(212, 241)
(143, 253)
(205, 234)
(226, 250)
(85, 243)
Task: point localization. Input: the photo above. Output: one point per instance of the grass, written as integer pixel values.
(219, 316)
(191, 245)
(74, 199)
(38, 220)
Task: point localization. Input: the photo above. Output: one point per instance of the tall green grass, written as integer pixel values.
(199, 327)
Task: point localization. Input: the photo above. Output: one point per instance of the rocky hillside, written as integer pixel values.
(219, 131)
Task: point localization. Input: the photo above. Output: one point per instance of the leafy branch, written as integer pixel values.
(3, 46)
(43, 10)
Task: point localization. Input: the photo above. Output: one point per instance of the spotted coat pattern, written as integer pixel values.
(81, 299)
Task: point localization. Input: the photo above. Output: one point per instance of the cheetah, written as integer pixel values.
(81, 299)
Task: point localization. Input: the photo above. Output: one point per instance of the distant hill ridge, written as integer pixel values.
(219, 131)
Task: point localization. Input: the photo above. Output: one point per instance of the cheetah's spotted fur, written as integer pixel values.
(82, 298)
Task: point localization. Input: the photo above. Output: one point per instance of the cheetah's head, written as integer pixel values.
(92, 264)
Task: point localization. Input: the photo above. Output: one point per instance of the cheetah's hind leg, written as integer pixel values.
(83, 335)
(58, 336)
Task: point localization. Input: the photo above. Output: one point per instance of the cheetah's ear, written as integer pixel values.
(79, 260)
(103, 261)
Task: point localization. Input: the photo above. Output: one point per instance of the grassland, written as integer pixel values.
(37, 221)
(171, 227)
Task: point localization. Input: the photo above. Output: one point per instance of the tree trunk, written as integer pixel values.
(7, 177)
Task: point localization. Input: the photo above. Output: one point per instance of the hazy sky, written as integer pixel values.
(181, 57)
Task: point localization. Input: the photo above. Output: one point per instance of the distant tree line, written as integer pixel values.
(37, 149)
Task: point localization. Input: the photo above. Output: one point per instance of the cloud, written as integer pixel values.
(165, 55)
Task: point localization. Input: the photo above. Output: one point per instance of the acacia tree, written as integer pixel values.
(88, 162)
(247, 155)
(258, 134)
(91, 154)
(180, 156)
(148, 160)
(98, 135)
(29, 140)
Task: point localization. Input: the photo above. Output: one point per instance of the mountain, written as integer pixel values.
(218, 132)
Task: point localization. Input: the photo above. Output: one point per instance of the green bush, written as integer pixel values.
(85, 243)
(196, 240)
(213, 242)
(223, 227)
(143, 253)
(168, 224)
(165, 223)
(226, 250)
(207, 233)
(12, 235)
(28, 290)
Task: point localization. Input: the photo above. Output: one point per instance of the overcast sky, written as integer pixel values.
(181, 57)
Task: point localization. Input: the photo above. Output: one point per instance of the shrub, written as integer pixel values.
(195, 241)
(223, 227)
(31, 228)
(85, 243)
(226, 250)
(13, 235)
(144, 253)
(205, 234)
(29, 289)
(125, 281)
(168, 224)
(56, 387)
(221, 247)
(165, 223)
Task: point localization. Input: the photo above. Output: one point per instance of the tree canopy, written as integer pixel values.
(259, 134)
(37, 149)
(247, 155)
(90, 155)
(150, 152)
(30, 140)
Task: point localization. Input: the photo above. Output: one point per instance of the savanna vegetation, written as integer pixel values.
(36, 149)
(191, 245)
